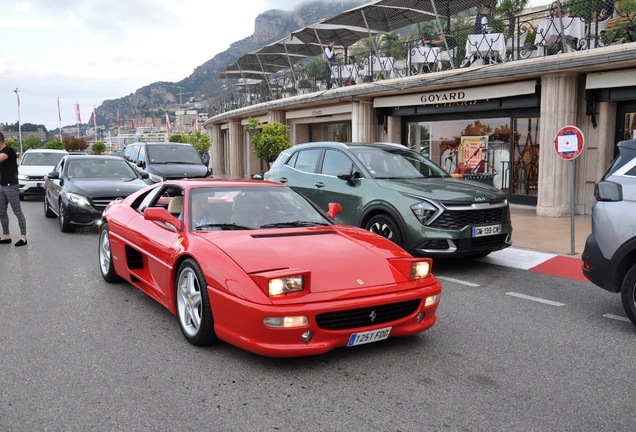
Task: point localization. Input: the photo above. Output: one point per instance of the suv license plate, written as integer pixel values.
(369, 336)
(486, 230)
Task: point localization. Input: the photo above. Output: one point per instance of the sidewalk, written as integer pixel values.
(543, 244)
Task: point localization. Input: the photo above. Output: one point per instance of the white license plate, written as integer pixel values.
(486, 230)
(369, 336)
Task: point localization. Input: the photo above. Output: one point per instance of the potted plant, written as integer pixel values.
(304, 85)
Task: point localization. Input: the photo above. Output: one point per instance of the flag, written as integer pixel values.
(94, 116)
(18, 96)
(118, 122)
(167, 121)
(59, 113)
(77, 110)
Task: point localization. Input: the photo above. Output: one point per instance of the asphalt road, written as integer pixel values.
(79, 354)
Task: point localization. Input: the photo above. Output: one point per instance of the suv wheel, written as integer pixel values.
(628, 294)
(385, 226)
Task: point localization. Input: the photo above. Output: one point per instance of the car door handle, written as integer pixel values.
(283, 180)
(319, 185)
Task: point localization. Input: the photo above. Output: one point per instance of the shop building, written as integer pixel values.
(518, 107)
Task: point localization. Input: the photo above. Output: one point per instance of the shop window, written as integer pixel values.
(630, 126)
(525, 161)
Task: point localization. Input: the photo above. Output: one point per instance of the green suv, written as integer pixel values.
(399, 194)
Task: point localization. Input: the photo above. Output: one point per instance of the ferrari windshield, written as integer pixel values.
(231, 208)
(394, 162)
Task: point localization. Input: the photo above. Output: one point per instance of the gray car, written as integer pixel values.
(609, 257)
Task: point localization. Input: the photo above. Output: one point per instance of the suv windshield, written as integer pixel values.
(170, 153)
(396, 163)
(41, 158)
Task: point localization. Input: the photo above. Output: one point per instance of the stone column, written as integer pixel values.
(394, 129)
(276, 117)
(218, 153)
(237, 155)
(362, 121)
(558, 109)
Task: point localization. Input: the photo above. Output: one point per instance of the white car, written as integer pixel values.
(34, 165)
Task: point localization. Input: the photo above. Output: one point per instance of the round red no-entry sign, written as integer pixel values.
(569, 142)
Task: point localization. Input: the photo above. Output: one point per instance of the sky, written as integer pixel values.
(94, 50)
(90, 51)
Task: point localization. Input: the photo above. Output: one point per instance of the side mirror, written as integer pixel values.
(256, 177)
(160, 214)
(608, 191)
(334, 210)
(53, 175)
(144, 175)
(348, 176)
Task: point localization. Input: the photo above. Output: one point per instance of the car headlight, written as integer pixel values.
(23, 177)
(420, 269)
(281, 282)
(286, 322)
(155, 178)
(286, 285)
(413, 268)
(426, 211)
(77, 199)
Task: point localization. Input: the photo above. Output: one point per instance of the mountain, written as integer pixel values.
(269, 27)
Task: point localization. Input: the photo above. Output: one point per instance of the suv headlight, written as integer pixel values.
(77, 199)
(426, 211)
(23, 177)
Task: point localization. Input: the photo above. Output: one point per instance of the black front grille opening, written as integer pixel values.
(458, 219)
(496, 240)
(365, 317)
(438, 244)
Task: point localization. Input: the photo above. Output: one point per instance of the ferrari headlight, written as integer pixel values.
(286, 285)
(426, 212)
(77, 199)
(286, 322)
(420, 269)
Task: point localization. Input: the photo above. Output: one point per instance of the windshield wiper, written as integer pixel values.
(297, 223)
(223, 226)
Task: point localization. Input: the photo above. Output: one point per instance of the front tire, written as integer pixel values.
(385, 226)
(48, 211)
(628, 294)
(64, 225)
(106, 256)
(193, 305)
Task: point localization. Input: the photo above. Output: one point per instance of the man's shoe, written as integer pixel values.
(5, 241)
(20, 242)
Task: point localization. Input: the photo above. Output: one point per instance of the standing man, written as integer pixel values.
(331, 61)
(10, 193)
(481, 22)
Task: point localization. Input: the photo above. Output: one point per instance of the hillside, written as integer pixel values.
(269, 27)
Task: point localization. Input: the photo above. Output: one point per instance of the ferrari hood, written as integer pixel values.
(336, 261)
(444, 189)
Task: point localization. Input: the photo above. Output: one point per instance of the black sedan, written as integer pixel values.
(80, 186)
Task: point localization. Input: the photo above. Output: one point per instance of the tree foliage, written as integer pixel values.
(268, 140)
(14, 143)
(200, 140)
(99, 147)
(30, 142)
(74, 144)
(54, 145)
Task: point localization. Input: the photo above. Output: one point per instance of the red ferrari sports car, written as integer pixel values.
(256, 265)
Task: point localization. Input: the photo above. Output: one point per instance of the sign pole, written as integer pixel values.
(569, 143)
(572, 243)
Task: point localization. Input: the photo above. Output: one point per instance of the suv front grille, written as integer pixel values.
(458, 219)
(367, 316)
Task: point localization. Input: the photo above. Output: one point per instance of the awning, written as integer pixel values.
(624, 78)
(457, 96)
(322, 34)
(292, 45)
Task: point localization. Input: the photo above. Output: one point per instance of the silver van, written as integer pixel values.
(609, 257)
